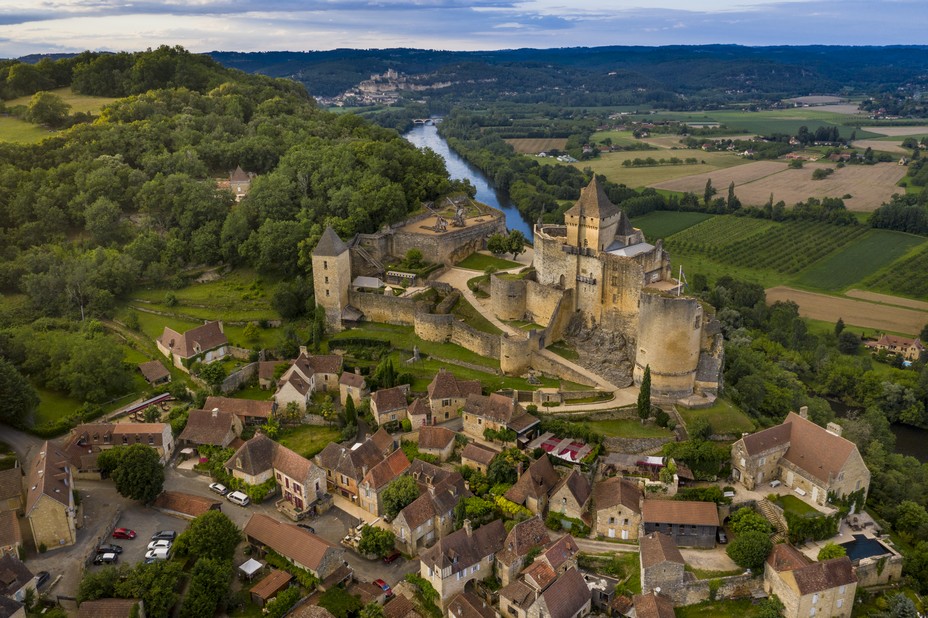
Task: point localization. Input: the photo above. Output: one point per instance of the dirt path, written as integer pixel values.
(886, 299)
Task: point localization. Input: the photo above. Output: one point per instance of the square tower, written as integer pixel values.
(332, 276)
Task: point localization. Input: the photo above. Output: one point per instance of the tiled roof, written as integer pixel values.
(387, 399)
(460, 549)
(418, 407)
(435, 437)
(536, 481)
(518, 593)
(440, 489)
(9, 607)
(899, 342)
(153, 371)
(690, 513)
(446, 386)
(539, 575)
(561, 551)
(656, 548)
(208, 427)
(306, 609)
(10, 533)
(266, 369)
(270, 585)
(329, 245)
(50, 475)
(291, 463)
(382, 440)
(567, 596)
(578, 486)
(11, 483)
(354, 380)
(394, 465)
(419, 511)
(239, 175)
(207, 336)
(617, 490)
(593, 202)
(240, 407)
(479, 453)
(400, 607)
(773, 437)
(326, 363)
(13, 575)
(523, 537)
(352, 462)
(296, 381)
(289, 541)
(181, 502)
(495, 407)
(811, 577)
(521, 422)
(469, 605)
(653, 606)
(254, 457)
(107, 608)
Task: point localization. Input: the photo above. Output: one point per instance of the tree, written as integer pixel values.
(747, 519)
(139, 474)
(839, 327)
(749, 550)
(848, 342)
(829, 551)
(504, 467)
(213, 374)
(209, 584)
(413, 258)
(923, 335)
(281, 604)
(699, 429)
(251, 332)
(516, 243)
(48, 109)
(318, 326)
(497, 244)
(708, 193)
(911, 518)
(97, 584)
(18, 399)
(155, 584)
(371, 610)
(210, 535)
(376, 541)
(351, 414)
(644, 396)
(901, 606)
(399, 493)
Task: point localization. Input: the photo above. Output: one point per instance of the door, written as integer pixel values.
(625, 535)
(611, 533)
(789, 478)
(760, 476)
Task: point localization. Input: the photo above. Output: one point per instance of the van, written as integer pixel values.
(238, 498)
(159, 553)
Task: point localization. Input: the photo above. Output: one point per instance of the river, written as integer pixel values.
(426, 135)
(910, 440)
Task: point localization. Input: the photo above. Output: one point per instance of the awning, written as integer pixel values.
(250, 567)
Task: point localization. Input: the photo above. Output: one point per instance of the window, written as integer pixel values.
(325, 265)
(125, 440)
(445, 402)
(480, 421)
(326, 292)
(842, 589)
(393, 417)
(612, 520)
(814, 598)
(626, 522)
(151, 440)
(327, 280)
(763, 460)
(811, 611)
(840, 603)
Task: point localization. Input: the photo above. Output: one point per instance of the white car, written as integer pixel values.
(160, 544)
(160, 553)
(219, 488)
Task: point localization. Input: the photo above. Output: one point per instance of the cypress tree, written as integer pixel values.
(644, 395)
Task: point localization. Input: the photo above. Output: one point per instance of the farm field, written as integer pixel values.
(619, 138)
(887, 299)
(893, 146)
(909, 277)
(610, 165)
(78, 102)
(721, 178)
(661, 224)
(897, 131)
(876, 250)
(856, 312)
(770, 121)
(21, 132)
(534, 145)
(813, 99)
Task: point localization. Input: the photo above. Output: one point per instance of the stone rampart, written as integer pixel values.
(388, 309)
(508, 298)
(541, 301)
(474, 340)
(634, 445)
(549, 366)
(452, 246)
(434, 326)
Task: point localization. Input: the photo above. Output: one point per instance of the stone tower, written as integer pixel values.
(332, 276)
(592, 222)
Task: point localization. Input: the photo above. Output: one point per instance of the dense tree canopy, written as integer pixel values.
(138, 474)
(398, 494)
(210, 535)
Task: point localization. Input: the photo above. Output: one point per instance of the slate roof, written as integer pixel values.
(561, 551)
(13, 575)
(387, 399)
(354, 380)
(208, 427)
(49, 475)
(811, 577)
(326, 363)
(261, 453)
(616, 490)
(445, 385)
(653, 606)
(478, 452)
(537, 481)
(690, 513)
(88, 435)
(567, 596)
(494, 407)
(107, 608)
(593, 202)
(460, 550)
(435, 437)
(241, 407)
(353, 463)
(11, 483)
(239, 175)
(188, 504)
(289, 541)
(521, 422)
(154, 371)
(899, 342)
(329, 245)
(578, 486)
(382, 440)
(390, 468)
(656, 548)
(522, 538)
(10, 533)
(469, 605)
(208, 336)
(518, 593)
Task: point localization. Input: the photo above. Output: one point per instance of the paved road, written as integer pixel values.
(19, 441)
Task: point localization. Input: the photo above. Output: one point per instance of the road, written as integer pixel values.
(19, 441)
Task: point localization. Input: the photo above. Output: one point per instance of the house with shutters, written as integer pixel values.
(807, 588)
(542, 593)
(534, 486)
(370, 490)
(616, 508)
(430, 516)
(464, 555)
(345, 467)
(389, 404)
(909, 349)
(50, 508)
(210, 427)
(447, 395)
(498, 412)
(437, 441)
(203, 344)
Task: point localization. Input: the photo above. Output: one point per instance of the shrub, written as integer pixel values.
(750, 549)
(746, 519)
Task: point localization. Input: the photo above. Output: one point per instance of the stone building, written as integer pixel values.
(498, 412)
(812, 460)
(210, 427)
(370, 490)
(249, 411)
(346, 467)
(430, 516)
(616, 508)
(653, 605)
(571, 497)
(307, 375)
(204, 344)
(688, 523)
(332, 278)
(909, 349)
(524, 537)
(419, 413)
(299, 546)
(437, 441)
(15, 578)
(11, 535)
(389, 404)
(478, 456)
(86, 441)
(447, 395)
(534, 486)
(809, 588)
(662, 564)
(460, 557)
(352, 384)
(50, 507)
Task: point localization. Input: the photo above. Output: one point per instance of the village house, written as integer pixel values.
(561, 555)
(352, 384)
(154, 372)
(809, 588)
(346, 467)
(460, 557)
(11, 535)
(437, 441)
(50, 508)
(498, 412)
(111, 608)
(653, 605)
(301, 547)
(419, 413)
(662, 564)
(470, 605)
(571, 497)
(430, 516)
(266, 371)
(688, 523)
(378, 478)
(523, 538)
(541, 593)
(210, 427)
(307, 375)
(534, 486)
(400, 607)
(616, 508)
(86, 441)
(478, 456)
(447, 395)
(812, 460)
(249, 411)
(11, 490)
(15, 578)
(389, 404)
(240, 182)
(203, 344)
(909, 349)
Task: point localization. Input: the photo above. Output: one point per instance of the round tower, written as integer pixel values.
(507, 297)
(669, 339)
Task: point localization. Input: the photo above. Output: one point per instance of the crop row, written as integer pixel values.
(907, 278)
(719, 232)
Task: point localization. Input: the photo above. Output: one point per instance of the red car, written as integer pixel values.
(385, 586)
(123, 533)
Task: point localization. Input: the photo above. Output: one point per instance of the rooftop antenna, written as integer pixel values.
(681, 281)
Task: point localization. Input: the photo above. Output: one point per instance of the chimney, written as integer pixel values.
(467, 528)
(303, 351)
(834, 428)
(215, 412)
(804, 412)
(221, 330)
(519, 469)
(357, 371)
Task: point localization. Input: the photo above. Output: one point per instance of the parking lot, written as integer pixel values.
(145, 521)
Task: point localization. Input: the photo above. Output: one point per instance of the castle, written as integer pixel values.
(595, 274)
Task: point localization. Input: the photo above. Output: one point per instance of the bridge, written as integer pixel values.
(426, 120)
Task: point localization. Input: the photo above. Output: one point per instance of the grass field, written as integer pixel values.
(481, 261)
(628, 428)
(241, 294)
(772, 121)
(741, 608)
(307, 440)
(473, 317)
(610, 164)
(662, 224)
(876, 250)
(797, 506)
(724, 417)
(78, 102)
(21, 132)
(619, 138)
(534, 145)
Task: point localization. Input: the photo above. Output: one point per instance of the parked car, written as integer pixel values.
(42, 577)
(123, 533)
(721, 536)
(160, 543)
(109, 548)
(385, 586)
(106, 558)
(160, 553)
(219, 488)
(165, 535)
(307, 527)
(238, 498)
(391, 557)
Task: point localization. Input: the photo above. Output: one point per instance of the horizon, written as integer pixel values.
(72, 26)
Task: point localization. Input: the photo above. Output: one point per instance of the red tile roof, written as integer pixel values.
(272, 584)
(653, 606)
(393, 466)
(445, 385)
(206, 337)
(241, 407)
(690, 513)
(289, 541)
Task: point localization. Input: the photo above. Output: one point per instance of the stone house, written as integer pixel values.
(812, 460)
(497, 412)
(571, 497)
(240, 182)
(469, 605)
(307, 375)
(437, 441)
(447, 395)
(87, 440)
(11, 535)
(211, 427)
(50, 508)
(389, 404)
(523, 538)
(653, 605)
(534, 486)
(301, 547)
(616, 508)
(460, 557)
(567, 597)
(688, 523)
(430, 516)
(249, 411)
(662, 564)
(561, 555)
(909, 349)
(11, 490)
(384, 442)
(809, 588)
(346, 467)
(15, 578)
(352, 384)
(266, 371)
(478, 456)
(204, 344)
(378, 478)
(419, 413)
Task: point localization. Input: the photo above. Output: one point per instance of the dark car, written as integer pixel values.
(123, 533)
(42, 577)
(107, 558)
(164, 535)
(391, 557)
(307, 527)
(721, 536)
(109, 548)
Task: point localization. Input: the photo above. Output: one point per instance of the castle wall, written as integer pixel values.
(551, 262)
(622, 283)
(452, 246)
(508, 298)
(474, 340)
(434, 327)
(552, 367)
(542, 301)
(561, 318)
(388, 309)
(669, 340)
(588, 284)
(515, 355)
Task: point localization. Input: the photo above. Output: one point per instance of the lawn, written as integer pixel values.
(20, 131)
(771, 121)
(723, 416)
(662, 223)
(628, 428)
(741, 608)
(860, 259)
(619, 138)
(239, 295)
(473, 317)
(254, 392)
(481, 261)
(793, 504)
(563, 349)
(307, 440)
(78, 102)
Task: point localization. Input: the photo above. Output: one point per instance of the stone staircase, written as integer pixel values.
(370, 259)
(776, 519)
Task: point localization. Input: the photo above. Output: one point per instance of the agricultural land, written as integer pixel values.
(534, 145)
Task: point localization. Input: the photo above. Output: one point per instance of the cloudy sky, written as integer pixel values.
(33, 26)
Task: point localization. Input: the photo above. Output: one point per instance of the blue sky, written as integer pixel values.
(33, 26)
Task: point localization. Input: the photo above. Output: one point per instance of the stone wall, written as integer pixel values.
(879, 571)
(388, 309)
(634, 445)
(452, 246)
(238, 378)
(434, 326)
(549, 366)
(669, 340)
(541, 301)
(697, 591)
(474, 340)
(508, 298)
